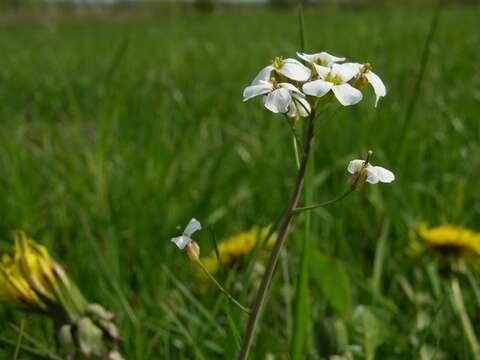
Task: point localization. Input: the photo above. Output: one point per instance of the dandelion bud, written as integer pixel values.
(65, 338)
(90, 338)
(97, 311)
(193, 251)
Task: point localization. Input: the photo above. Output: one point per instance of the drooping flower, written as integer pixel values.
(277, 97)
(235, 247)
(450, 238)
(290, 68)
(365, 76)
(322, 58)
(362, 171)
(185, 241)
(334, 78)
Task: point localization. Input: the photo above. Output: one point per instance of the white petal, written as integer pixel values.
(347, 94)
(263, 75)
(377, 84)
(383, 175)
(372, 176)
(331, 58)
(317, 88)
(355, 166)
(252, 91)
(295, 70)
(322, 70)
(299, 104)
(305, 57)
(193, 225)
(323, 56)
(278, 100)
(181, 241)
(290, 88)
(346, 71)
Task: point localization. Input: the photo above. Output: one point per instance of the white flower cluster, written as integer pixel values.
(286, 84)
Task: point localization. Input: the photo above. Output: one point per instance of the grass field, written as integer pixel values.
(115, 132)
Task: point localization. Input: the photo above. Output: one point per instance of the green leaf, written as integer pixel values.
(330, 274)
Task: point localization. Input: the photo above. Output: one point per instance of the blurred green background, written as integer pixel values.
(118, 124)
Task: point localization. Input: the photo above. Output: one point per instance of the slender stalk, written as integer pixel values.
(418, 83)
(466, 323)
(222, 289)
(19, 339)
(274, 254)
(325, 203)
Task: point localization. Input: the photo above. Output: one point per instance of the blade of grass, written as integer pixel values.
(19, 339)
(380, 255)
(418, 84)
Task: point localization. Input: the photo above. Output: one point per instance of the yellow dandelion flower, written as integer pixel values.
(237, 246)
(29, 276)
(451, 240)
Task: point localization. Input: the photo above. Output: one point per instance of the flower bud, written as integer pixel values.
(97, 311)
(193, 251)
(90, 338)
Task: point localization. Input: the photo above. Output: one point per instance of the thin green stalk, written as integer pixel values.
(301, 320)
(222, 289)
(275, 252)
(462, 313)
(301, 25)
(19, 339)
(325, 203)
(419, 80)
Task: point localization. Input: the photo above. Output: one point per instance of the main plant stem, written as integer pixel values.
(275, 253)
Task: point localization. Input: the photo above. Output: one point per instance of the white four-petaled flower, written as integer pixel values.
(374, 80)
(375, 174)
(278, 98)
(185, 239)
(322, 58)
(335, 78)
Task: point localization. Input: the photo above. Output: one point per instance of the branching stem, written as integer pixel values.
(275, 253)
(221, 288)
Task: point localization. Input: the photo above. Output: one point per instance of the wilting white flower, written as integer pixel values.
(185, 239)
(374, 174)
(322, 58)
(278, 97)
(290, 68)
(365, 74)
(335, 78)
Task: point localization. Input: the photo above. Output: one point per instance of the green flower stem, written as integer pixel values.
(275, 253)
(222, 289)
(466, 323)
(329, 202)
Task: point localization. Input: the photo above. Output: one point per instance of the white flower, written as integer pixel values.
(374, 174)
(365, 74)
(290, 68)
(322, 58)
(335, 78)
(185, 239)
(278, 97)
